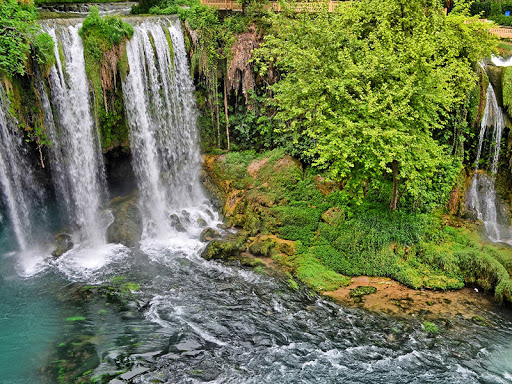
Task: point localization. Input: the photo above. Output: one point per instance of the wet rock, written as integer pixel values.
(208, 234)
(263, 247)
(127, 226)
(186, 215)
(201, 222)
(227, 248)
(176, 223)
(187, 345)
(134, 372)
(63, 243)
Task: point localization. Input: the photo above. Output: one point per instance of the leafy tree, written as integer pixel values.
(372, 87)
(18, 33)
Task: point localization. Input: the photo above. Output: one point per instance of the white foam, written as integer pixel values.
(501, 62)
(88, 264)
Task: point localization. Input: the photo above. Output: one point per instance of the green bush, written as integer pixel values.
(19, 32)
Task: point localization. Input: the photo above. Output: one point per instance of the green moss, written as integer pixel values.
(104, 42)
(430, 328)
(75, 318)
(170, 44)
(362, 290)
(316, 275)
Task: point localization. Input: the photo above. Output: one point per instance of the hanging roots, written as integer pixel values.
(240, 69)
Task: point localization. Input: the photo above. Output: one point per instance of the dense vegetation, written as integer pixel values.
(105, 62)
(493, 10)
(335, 237)
(374, 90)
(19, 36)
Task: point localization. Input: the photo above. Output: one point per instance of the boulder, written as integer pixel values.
(176, 223)
(127, 227)
(63, 243)
(208, 234)
(224, 249)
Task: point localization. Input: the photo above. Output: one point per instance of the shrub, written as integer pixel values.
(18, 33)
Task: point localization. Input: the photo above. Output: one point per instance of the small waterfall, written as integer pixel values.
(78, 169)
(159, 100)
(22, 195)
(482, 197)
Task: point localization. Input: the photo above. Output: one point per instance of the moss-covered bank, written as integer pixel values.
(329, 239)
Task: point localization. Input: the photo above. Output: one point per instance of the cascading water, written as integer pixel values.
(482, 197)
(158, 95)
(78, 170)
(16, 180)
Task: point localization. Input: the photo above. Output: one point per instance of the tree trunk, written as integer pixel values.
(394, 199)
(226, 112)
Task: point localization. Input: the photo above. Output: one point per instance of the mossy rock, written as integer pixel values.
(127, 226)
(251, 262)
(226, 249)
(208, 234)
(263, 247)
(362, 290)
(63, 243)
(287, 247)
(333, 216)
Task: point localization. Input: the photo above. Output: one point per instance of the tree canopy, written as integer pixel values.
(372, 88)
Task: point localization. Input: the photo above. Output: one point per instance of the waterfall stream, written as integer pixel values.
(482, 197)
(79, 174)
(16, 180)
(159, 100)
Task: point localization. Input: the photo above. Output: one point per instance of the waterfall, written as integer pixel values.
(22, 196)
(160, 105)
(482, 197)
(78, 169)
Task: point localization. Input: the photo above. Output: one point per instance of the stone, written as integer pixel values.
(176, 223)
(127, 227)
(134, 372)
(201, 222)
(227, 248)
(262, 247)
(63, 243)
(208, 234)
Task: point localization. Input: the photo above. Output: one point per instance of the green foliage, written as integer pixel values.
(507, 88)
(19, 32)
(430, 327)
(318, 276)
(104, 50)
(369, 88)
(108, 31)
(362, 290)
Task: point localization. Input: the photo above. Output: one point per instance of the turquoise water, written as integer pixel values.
(29, 322)
(195, 321)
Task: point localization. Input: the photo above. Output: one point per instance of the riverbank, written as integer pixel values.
(422, 264)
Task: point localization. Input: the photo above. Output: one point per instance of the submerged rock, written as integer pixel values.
(63, 243)
(127, 226)
(208, 234)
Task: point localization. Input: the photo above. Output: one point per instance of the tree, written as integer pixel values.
(372, 86)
